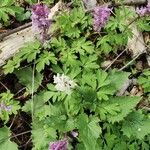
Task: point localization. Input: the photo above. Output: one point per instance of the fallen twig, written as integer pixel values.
(130, 62)
(115, 59)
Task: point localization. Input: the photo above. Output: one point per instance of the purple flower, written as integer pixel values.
(101, 15)
(142, 11)
(148, 8)
(8, 108)
(40, 21)
(59, 145)
(5, 107)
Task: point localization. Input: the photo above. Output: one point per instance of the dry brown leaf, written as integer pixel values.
(136, 43)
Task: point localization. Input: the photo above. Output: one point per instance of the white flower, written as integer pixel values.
(64, 83)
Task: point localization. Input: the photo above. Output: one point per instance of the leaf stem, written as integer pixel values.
(32, 94)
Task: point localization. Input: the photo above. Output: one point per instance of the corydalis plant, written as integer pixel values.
(64, 83)
(59, 145)
(101, 15)
(142, 11)
(4, 107)
(40, 21)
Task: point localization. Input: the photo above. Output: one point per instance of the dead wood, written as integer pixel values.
(131, 2)
(7, 33)
(12, 41)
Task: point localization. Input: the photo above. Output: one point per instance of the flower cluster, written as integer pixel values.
(64, 83)
(40, 21)
(101, 15)
(142, 11)
(4, 107)
(74, 134)
(59, 145)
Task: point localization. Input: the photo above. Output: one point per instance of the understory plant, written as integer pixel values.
(76, 107)
(9, 11)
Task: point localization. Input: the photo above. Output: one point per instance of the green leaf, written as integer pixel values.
(11, 65)
(105, 92)
(88, 78)
(54, 94)
(71, 23)
(143, 24)
(28, 52)
(102, 78)
(108, 83)
(7, 2)
(3, 16)
(22, 17)
(73, 104)
(104, 44)
(89, 130)
(144, 80)
(7, 9)
(81, 45)
(126, 105)
(115, 76)
(25, 77)
(5, 143)
(58, 122)
(89, 62)
(121, 144)
(12, 106)
(42, 135)
(110, 140)
(38, 102)
(136, 125)
(59, 43)
(69, 59)
(105, 109)
(31, 1)
(45, 59)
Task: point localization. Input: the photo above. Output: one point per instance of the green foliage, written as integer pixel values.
(8, 105)
(5, 142)
(35, 1)
(117, 108)
(144, 80)
(25, 77)
(143, 24)
(107, 83)
(31, 1)
(39, 104)
(101, 119)
(28, 52)
(120, 19)
(73, 23)
(135, 124)
(89, 131)
(114, 39)
(23, 16)
(45, 59)
(42, 135)
(7, 8)
(82, 46)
